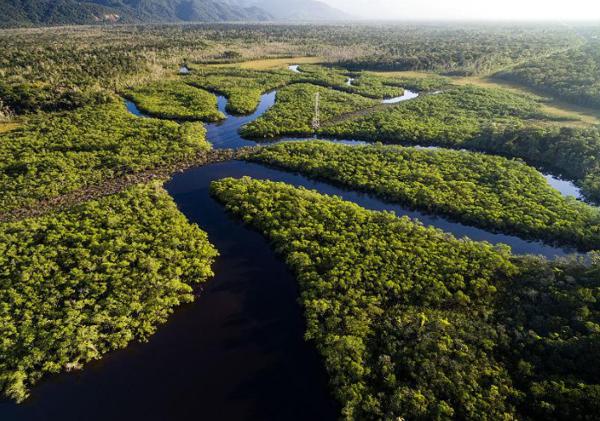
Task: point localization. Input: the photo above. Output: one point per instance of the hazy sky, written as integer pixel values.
(472, 9)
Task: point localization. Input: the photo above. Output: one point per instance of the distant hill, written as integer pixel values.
(57, 12)
(295, 10)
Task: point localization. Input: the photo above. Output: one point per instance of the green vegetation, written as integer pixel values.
(48, 12)
(489, 120)
(80, 283)
(241, 87)
(56, 154)
(424, 84)
(22, 98)
(488, 191)
(471, 49)
(83, 59)
(552, 317)
(411, 321)
(293, 112)
(449, 118)
(176, 101)
(571, 152)
(573, 75)
(368, 85)
(414, 323)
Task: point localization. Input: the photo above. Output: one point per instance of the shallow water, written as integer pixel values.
(133, 109)
(225, 134)
(565, 187)
(408, 95)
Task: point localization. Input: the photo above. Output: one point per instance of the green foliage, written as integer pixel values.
(429, 83)
(56, 154)
(415, 324)
(590, 186)
(364, 84)
(23, 98)
(241, 87)
(65, 63)
(357, 269)
(449, 118)
(470, 49)
(445, 357)
(53, 12)
(294, 110)
(489, 120)
(552, 315)
(80, 283)
(571, 152)
(483, 190)
(176, 101)
(573, 74)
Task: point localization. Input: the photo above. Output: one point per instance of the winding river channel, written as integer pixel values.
(237, 352)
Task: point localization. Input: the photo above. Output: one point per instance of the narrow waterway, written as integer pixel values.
(237, 352)
(133, 109)
(408, 95)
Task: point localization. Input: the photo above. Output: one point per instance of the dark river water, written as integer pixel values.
(237, 352)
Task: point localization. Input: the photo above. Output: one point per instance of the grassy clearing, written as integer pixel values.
(7, 127)
(580, 116)
(404, 74)
(275, 63)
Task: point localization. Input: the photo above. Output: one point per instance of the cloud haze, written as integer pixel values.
(472, 9)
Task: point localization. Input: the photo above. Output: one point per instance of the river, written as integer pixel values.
(237, 352)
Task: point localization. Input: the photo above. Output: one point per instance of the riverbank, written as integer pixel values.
(118, 184)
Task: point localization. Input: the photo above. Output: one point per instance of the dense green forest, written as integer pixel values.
(466, 51)
(414, 323)
(572, 152)
(241, 87)
(77, 284)
(56, 154)
(19, 13)
(411, 322)
(293, 112)
(573, 74)
(364, 84)
(449, 118)
(175, 100)
(488, 120)
(488, 191)
(67, 60)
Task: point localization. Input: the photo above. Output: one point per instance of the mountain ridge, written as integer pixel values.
(16, 13)
(295, 9)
